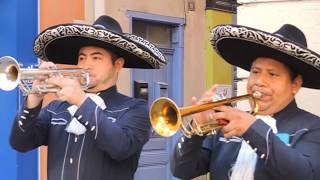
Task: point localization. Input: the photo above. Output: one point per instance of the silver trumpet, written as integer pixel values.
(11, 76)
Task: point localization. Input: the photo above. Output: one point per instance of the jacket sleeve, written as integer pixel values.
(191, 157)
(293, 161)
(121, 139)
(28, 132)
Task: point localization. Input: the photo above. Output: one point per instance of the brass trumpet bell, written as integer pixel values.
(166, 117)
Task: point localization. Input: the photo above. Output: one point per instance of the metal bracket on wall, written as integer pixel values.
(191, 5)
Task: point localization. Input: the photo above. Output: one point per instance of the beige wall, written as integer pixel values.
(271, 15)
(194, 46)
(194, 53)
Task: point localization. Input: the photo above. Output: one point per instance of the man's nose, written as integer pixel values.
(261, 80)
(84, 65)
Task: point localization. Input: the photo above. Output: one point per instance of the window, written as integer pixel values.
(157, 33)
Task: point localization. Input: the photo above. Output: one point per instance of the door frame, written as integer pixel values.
(177, 67)
(177, 45)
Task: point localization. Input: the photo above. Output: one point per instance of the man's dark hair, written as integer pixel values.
(114, 56)
(293, 74)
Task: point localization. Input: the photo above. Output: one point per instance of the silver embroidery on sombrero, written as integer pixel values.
(144, 42)
(87, 31)
(221, 32)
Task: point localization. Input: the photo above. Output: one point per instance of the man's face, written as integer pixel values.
(272, 79)
(103, 73)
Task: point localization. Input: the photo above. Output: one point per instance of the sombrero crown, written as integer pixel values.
(241, 45)
(61, 43)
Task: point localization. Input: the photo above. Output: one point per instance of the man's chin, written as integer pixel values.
(264, 109)
(91, 88)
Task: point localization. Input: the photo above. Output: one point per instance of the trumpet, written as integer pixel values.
(166, 117)
(11, 76)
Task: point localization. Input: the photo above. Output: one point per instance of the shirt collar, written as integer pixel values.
(287, 111)
(108, 92)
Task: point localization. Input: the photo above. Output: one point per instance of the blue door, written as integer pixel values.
(155, 155)
(151, 84)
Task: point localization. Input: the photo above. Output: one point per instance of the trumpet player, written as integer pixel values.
(282, 141)
(96, 133)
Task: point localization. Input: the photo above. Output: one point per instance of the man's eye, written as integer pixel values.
(273, 74)
(96, 58)
(254, 71)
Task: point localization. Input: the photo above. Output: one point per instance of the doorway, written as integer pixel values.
(167, 34)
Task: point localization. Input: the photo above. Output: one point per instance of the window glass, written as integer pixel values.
(157, 33)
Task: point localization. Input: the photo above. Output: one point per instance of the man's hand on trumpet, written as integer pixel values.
(234, 122)
(238, 121)
(34, 100)
(71, 90)
(206, 117)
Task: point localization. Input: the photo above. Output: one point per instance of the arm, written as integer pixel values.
(191, 157)
(300, 161)
(29, 129)
(121, 139)
(28, 132)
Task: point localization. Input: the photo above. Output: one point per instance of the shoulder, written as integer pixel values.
(310, 120)
(130, 101)
(308, 115)
(125, 103)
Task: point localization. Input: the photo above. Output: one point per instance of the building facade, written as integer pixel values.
(180, 28)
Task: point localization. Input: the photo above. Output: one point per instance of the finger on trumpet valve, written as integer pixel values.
(210, 117)
(217, 97)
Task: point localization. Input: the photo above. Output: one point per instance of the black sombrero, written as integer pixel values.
(61, 43)
(240, 45)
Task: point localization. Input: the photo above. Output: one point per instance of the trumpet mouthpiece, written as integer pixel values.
(257, 94)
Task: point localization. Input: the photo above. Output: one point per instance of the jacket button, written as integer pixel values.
(92, 128)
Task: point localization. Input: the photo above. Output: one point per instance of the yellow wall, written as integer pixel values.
(218, 71)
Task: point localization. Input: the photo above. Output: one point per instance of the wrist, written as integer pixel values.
(81, 100)
(33, 100)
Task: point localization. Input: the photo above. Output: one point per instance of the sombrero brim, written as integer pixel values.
(60, 44)
(240, 46)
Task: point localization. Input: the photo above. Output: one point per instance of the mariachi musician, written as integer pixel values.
(282, 141)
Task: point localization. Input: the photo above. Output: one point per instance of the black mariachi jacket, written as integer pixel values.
(295, 160)
(109, 149)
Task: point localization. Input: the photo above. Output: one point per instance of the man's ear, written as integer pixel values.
(296, 84)
(119, 63)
